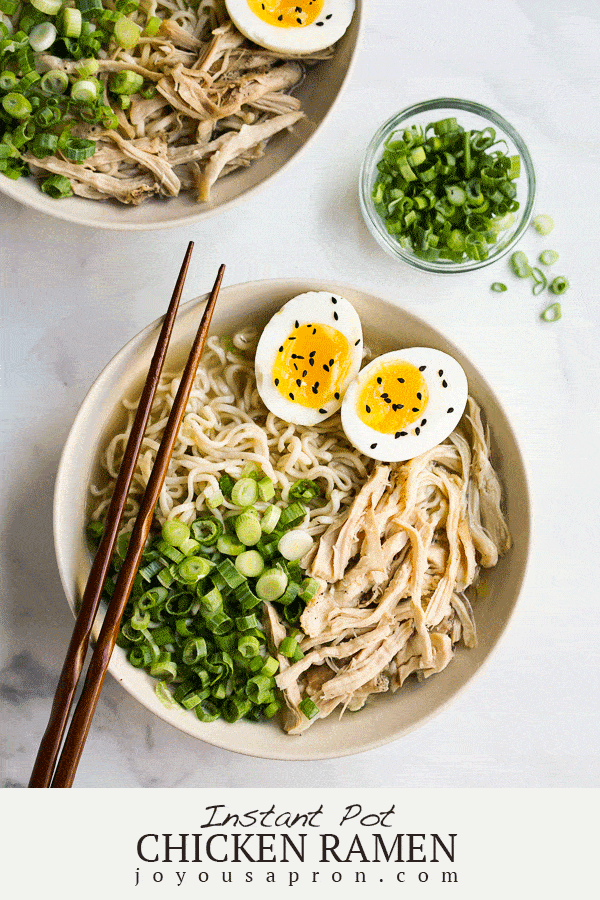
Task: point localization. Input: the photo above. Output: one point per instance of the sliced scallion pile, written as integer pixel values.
(445, 192)
(194, 618)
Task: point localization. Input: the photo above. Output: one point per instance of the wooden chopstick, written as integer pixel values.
(75, 657)
(84, 711)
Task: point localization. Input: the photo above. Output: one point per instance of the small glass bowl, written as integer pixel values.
(472, 116)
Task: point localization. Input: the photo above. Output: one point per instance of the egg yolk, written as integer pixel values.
(392, 398)
(312, 364)
(284, 14)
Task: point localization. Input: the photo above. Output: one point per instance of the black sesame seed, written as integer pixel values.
(314, 330)
(297, 325)
(312, 352)
(299, 21)
(276, 382)
(279, 19)
(422, 368)
(298, 9)
(326, 368)
(315, 389)
(380, 381)
(334, 299)
(336, 395)
(373, 446)
(356, 343)
(417, 430)
(298, 382)
(401, 380)
(292, 337)
(415, 409)
(317, 383)
(444, 384)
(329, 16)
(368, 408)
(294, 356)
(451, 409)
(296, 366)
(419, 396)
(423, 422)
(320, 23)
(322, 411)
(305, 373)
(403, 433)
(398, 433)
(311, 361)
(387, 399)
(441, 372)
(281, 349)
(331, 362)
(335, 316)
(291, 396)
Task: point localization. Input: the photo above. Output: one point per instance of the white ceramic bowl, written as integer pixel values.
(318, 93)
(386, 327)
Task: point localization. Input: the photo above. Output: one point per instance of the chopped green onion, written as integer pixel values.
(540, 280)
(48, 7)
(270, 518)
(165, 696)
(57, 187)
(295, 544)
(42, 36)
(288, 647)
(16, 105)
(8, 80)
(9, 7)
(87, 67)
(207, 530)
(247, 527)
(559, 285)
(309, 708)
(248, 646)
(189, 547)
(305, 489)
(213, 498)
(153, 26)
(90, 8)
(548, 257)
(291, 516)
(272, 584)
(54, 82)
(244, 492)
(520, 264)
(44, 145)
(271, 709)
(193, 568)
(79, 149)
(70, 25)
(235, 708)
(250, 563)
(269, 667)
(84, 91)
(543, 224)
(308, 589)
(126, 33)
(175, 532)
(499, 287)
(228, 545)
(126, 82)
(552, 313)
(266, 489)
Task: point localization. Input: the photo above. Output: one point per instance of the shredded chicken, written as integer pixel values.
(218, 100)
(392, 572)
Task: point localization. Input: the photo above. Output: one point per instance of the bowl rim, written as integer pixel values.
(369, 161)
(39, 202)
(70, 450)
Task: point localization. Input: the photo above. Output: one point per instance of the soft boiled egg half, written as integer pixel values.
(403, 403)
(295, 28)
(307, 355)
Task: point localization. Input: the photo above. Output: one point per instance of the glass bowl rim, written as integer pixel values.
(373, 220)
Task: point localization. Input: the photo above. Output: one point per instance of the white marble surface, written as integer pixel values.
(71, 297)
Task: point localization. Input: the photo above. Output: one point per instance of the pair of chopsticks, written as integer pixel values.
(50, 769)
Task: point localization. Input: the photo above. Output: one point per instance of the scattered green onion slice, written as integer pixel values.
(79, 149)
(499, 287)
(543, 224)
(84, 91)
(244, 492)
(48, 7)
(250, 563)
(153, 26)
(309, 708)
(266, 489)
(54, 82)
(213, 498)
(16, 105)
(295, 544)
(272, 584)
(559, 285)
(247, 528)
(305, 489)
(540, 280)
(126, 32)
(548, 257)
(175, 532)
(57, 187)
(126, 82)
(229, 545)
(552, 313)
(8, 80)
(42, 36)
(270, 518)
(71, 22)
(520, 264)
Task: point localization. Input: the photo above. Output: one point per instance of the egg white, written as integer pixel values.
(316, 308)
(447, 391)
(330, 25)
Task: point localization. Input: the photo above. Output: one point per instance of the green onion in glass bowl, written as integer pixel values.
(447, 186)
